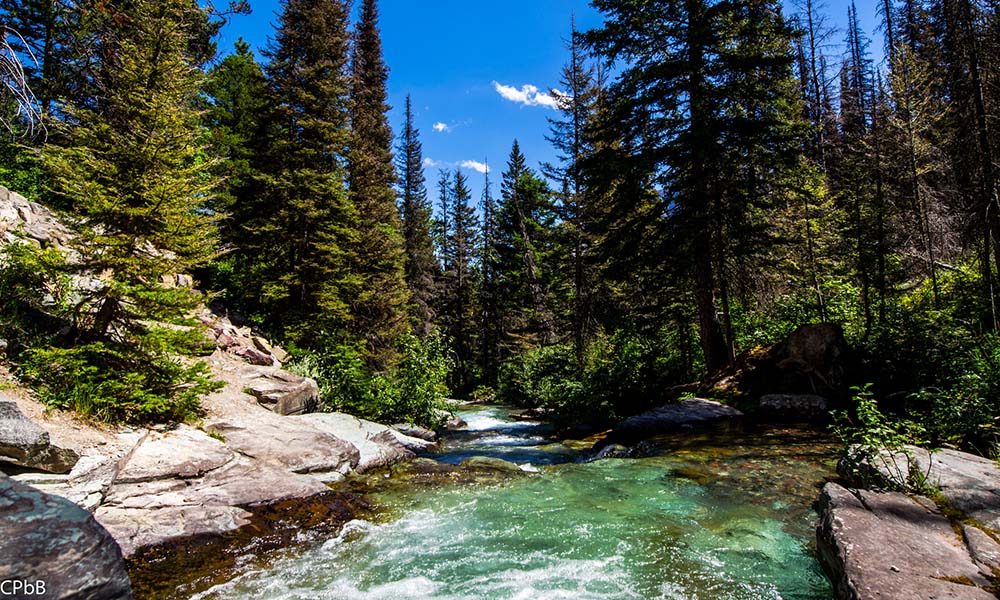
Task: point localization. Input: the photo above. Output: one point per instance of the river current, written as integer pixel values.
(720, 516)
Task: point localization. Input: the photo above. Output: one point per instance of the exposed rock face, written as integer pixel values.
(21, 219)
(890, 546)
(670, 418)
(378, 445)
(25, 443)
(296, 446)
(969, 483)
(184, 483)
(48, 539)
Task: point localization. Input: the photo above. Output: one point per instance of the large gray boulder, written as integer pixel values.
(183, 483)
(670, 418)
(886, 545)
(294, 445)
(48, 540)
(378, 445)
(25, 443)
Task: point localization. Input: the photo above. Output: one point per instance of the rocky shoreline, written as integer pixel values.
(246, 473)
(939, 540)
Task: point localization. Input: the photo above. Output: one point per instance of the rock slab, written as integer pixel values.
(378, 445)
(24, 443)
(45, 538)
(183, 483)
(670, 418)
(886, 545)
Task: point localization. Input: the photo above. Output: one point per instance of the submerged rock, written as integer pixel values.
(881, 545)
(48, 540)
(795, 408)
(26, 444)
(488, 463)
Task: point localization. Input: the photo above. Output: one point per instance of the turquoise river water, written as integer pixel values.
(723, 516)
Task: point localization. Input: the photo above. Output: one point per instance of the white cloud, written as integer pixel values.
(475, 165)
(442, 127)
(528, 95)
(430, 162)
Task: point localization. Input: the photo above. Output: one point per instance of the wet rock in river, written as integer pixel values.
(685, 415)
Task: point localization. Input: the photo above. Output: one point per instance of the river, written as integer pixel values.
(721, 516)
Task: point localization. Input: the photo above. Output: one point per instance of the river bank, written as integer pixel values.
(720, 514)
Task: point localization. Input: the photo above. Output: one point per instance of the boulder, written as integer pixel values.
(295, 446)
(888, 545)
(183, 483)
(26, 444)
(670, 418)
(282, 392)
(378, 445)
(795, 408)
(813, 359)
(416, 431)
(44, 538)
(253, 355)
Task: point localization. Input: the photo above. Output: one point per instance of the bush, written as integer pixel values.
(117, 384)
(622, 375)
(138, 377)
(412, 391)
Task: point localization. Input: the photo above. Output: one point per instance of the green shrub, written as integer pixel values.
(138, 377)
(117, 384)
(413, 390)
(622, 375)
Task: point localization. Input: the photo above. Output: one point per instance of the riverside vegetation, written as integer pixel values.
(715, 189)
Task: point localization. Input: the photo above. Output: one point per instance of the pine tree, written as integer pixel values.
(421, 267)
(379, 257)
(301, 239)
(523, 218)
(459, 279)
(491, 324)
(690, 205)
(132, 176)
(236, 103)
(570, 137)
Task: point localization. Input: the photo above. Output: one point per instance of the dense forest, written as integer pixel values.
(723, 178)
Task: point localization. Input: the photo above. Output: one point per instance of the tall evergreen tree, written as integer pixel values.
(570, 137)
(236, 103)
(523, 218)
(692, 206)
(305, 225)
(379, 310)
(459, 284)
(421, 267)
(491, 324)
(132, 176)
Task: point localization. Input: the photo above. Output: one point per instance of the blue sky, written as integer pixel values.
(466, 65)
